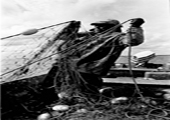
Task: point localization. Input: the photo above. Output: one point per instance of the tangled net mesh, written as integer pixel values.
(25, 56)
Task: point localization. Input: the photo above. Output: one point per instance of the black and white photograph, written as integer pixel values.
(85, 60)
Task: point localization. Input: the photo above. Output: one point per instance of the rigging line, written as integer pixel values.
(108, 30)
(130, 68)
(69, 47)
(113, 28)
(38, 29)
(93, 37)
(56, 25)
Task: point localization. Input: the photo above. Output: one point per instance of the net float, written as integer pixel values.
(30, 32)
(44, 116)
(60, 107)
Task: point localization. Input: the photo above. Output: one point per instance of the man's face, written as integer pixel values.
(98, 29)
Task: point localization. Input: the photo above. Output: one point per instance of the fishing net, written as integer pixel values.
(52, 47)
(25, 56)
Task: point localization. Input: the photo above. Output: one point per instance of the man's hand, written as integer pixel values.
(134, 36)
(137, 22)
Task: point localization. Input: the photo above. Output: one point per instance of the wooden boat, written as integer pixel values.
(142, 76)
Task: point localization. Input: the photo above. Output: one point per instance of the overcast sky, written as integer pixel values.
(19, 15)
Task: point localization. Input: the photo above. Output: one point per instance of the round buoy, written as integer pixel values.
(44, 116)
(30, 32)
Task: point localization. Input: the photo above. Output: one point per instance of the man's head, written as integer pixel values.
(104, 25)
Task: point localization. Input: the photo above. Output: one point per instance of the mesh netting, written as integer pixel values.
(25, 56)
(36, 54)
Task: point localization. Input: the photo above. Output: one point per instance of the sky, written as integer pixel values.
(20, 15)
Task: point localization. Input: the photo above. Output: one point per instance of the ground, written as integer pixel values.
(131, 110)
(29, 106)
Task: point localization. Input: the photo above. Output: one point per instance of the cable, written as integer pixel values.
(160, 116)
(130, 68)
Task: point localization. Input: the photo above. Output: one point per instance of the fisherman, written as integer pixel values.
(101, 54)
(92, 60)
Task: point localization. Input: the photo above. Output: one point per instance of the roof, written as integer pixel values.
(158, 59)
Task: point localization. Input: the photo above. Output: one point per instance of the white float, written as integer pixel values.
(44, 116)
(30, 32)
(60, 107)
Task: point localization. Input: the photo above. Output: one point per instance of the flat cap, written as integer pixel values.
(108, 22)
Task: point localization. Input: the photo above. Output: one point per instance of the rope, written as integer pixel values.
(130, 69)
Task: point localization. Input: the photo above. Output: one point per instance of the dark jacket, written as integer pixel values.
(104, 50)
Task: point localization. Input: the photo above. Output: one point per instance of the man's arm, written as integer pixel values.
(134, 36)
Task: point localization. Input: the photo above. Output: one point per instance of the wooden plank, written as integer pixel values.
(134, 69)
(128, 80)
